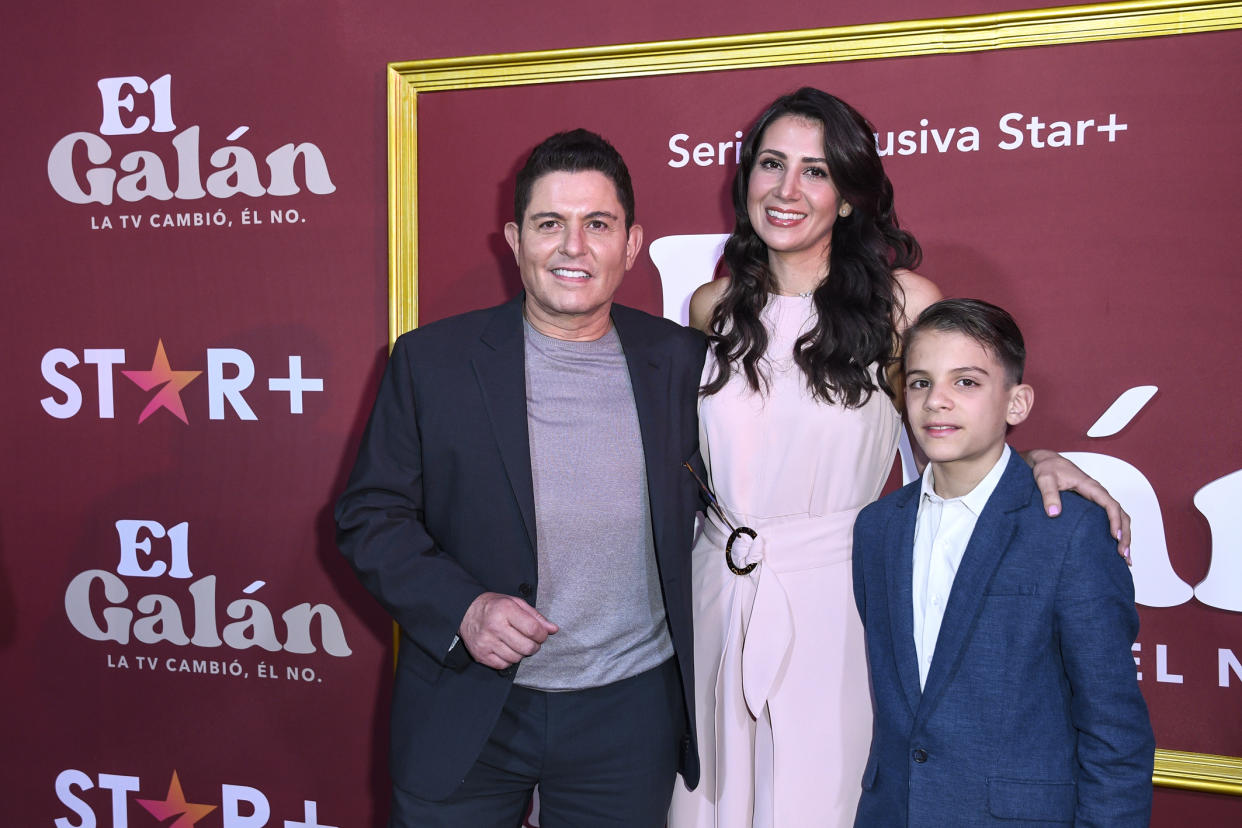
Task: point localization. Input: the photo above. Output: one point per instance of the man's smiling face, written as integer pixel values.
(573, 250)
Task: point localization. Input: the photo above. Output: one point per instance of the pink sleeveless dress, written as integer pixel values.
(783, 707)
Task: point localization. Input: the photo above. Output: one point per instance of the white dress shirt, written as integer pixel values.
(941, 532)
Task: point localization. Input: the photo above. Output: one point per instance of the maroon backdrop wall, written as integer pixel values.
(188, 371)
(1079, 186)
(1087, 188)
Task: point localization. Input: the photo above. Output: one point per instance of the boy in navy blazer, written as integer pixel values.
(998, 639)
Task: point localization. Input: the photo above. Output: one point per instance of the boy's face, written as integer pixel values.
(959, 401)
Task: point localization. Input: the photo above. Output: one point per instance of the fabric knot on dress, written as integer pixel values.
(758, 643)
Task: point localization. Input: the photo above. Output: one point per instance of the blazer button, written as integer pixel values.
(524, 590)
(505, 671)
(919, 755)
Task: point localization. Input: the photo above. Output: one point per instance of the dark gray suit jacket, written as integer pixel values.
(1031, 712)
(440, 508)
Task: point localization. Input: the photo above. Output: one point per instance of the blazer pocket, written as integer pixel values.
(1032, 800)
(1011, 590)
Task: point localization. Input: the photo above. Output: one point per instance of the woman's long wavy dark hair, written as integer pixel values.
(855, 305)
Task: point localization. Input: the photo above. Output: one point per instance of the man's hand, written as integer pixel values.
(500, 630)
(1054, 474)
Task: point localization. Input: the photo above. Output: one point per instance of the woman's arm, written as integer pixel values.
(703, 302)
(914, 294)
(1054, 474)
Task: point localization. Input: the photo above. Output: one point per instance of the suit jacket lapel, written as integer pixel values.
(988, 543)
(649, 379)
(899, 563)
(500, 367)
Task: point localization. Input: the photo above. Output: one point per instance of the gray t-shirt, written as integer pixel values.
(597, 570)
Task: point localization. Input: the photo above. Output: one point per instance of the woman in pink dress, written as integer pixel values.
(799, 425)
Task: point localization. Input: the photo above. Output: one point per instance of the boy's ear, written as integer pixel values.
(1021, 398)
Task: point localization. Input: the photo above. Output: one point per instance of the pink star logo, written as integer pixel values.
(169, 396)
(174, 805)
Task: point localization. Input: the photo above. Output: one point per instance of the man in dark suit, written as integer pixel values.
(519, 506)
(998, 639)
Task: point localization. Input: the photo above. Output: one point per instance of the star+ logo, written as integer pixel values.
(230, 374)
(240, 806)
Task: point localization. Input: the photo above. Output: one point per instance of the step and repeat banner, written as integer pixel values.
(183, 643)
(194, 281)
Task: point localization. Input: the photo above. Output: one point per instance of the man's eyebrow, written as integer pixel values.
(552, 214)
(806, 159)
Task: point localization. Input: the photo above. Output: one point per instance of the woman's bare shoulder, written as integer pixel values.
(916, 293)
(703, 302)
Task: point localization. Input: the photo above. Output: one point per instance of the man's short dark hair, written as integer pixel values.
(985, 323)
(578, 150)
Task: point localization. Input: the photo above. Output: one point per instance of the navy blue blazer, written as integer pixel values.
(1031, 713)
(440, 508)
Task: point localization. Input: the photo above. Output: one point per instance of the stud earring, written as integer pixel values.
(845, 210)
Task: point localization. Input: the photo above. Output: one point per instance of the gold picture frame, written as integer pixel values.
(974, 33)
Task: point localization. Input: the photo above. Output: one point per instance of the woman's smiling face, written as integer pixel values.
(791, 200)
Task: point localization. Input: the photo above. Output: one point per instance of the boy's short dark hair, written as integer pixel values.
(985, 323)
(578, 150)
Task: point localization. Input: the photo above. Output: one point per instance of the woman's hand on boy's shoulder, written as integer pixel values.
(1054, 474)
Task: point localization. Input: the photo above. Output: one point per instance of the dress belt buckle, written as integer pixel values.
(733, 567)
